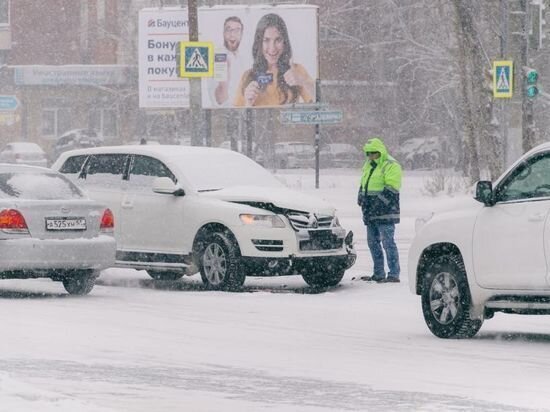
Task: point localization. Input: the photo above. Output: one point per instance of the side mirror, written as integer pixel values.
(484, 193)
(165, 186)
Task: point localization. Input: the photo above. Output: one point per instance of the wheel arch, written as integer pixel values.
(437, 249)
(209, 228)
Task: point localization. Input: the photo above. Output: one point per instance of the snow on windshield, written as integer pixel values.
(222, 169)
(37, 186)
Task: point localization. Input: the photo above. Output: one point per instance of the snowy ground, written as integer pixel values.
(139, 345)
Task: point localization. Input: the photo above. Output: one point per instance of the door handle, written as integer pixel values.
(536, 217)
(127, 205)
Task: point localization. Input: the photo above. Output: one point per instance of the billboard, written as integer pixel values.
(160, 32)
(264, 56)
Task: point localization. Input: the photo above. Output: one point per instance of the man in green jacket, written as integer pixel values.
(379, 201)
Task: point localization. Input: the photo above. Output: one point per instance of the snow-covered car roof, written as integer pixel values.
(340, 148)
(25, 147)
(205, 168)
(86, 132)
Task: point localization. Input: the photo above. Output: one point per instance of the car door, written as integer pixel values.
(100, 175)
(151, 222)
(511, 239)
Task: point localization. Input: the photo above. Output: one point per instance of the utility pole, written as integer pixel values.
(504, 23)
(317, 142)
(195, 103)
(249, 132)
(527, 118)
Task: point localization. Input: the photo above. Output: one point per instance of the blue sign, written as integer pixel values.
(8, 103)
(503, 78)
(196, 59)
(312, 117)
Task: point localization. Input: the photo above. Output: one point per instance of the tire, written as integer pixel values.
(161, 275)
(446, 299)
(324, 279)
(80, 283)
(220, 263)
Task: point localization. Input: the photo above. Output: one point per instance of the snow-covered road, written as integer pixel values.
(135, 344)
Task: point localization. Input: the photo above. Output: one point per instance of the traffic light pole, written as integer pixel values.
(527, 118)
(504, 122)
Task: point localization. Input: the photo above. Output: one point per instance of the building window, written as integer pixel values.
(55, 121)
(104, 121)
(4, 12)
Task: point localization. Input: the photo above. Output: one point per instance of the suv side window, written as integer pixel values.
(104, 170)
(530, 180)
(144, 170)
(73, 165)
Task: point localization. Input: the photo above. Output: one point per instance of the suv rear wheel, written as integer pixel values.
(220, 262)
(446, 299)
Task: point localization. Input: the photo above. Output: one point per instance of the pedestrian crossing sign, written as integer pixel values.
(503, 78)
(196, 59)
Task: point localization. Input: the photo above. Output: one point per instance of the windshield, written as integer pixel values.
(222, 169)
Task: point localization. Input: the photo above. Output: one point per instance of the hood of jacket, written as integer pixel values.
(376, 144)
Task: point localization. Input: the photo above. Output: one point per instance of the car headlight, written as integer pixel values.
(262, 220)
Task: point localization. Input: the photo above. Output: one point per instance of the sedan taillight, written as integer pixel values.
(107, 221)
(12, 221)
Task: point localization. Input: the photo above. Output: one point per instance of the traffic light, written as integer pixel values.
(531, 79)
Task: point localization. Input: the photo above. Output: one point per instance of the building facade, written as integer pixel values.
(60, 64)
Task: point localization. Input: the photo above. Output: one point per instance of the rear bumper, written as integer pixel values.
(29, 254)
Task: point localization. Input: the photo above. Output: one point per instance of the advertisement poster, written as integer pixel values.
(266, 56)
(160, 32)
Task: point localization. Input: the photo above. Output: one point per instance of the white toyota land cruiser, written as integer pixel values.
(180, 210)
(491, 256)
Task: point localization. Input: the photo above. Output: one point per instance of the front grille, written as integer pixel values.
(309, 220)
(268, 245)
(321, 240)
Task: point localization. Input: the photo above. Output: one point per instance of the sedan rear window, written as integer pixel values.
(37, 186)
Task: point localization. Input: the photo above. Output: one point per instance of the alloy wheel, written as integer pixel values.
(444, 298)
(214, 263)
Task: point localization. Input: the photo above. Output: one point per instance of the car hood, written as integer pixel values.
(281, 197)
(460, 214)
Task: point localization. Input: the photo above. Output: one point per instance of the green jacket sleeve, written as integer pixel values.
(393, 175)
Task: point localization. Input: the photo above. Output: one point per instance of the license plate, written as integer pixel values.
(69, 223)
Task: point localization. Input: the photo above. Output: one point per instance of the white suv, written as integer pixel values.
(491, 256)
(179, 210)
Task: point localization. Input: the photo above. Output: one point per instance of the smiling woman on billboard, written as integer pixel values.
(273, 79)
(269, 53)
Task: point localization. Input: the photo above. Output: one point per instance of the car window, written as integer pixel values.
(73, 164)
(104, 170)
(37, 186)
(529, 180)
(145, 169)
